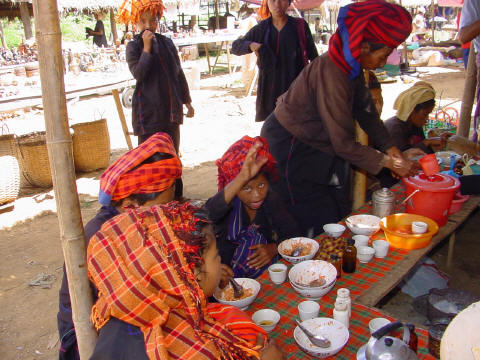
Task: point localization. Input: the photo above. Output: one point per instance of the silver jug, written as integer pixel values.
(383, 202)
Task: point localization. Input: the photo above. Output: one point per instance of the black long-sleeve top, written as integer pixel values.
(273, 219)
(279, 60)
(405, 135)
(161, 88)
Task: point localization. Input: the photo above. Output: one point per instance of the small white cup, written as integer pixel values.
(360, 240)
(308, 310)
(377, 323)
(267, 319)
(278, 273)
(381, 248)
(419, 227)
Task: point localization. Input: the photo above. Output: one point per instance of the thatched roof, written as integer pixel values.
(87, 5)
(10, 9)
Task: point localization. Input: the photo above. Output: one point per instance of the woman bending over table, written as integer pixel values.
(283, 44)
(250, 219)
(155, 268)
(311, 132)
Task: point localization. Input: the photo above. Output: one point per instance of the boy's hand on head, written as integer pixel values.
(227, 274)
(147, 38)
(261, 255)
(252, 164)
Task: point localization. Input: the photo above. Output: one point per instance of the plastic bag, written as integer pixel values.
(422, 278)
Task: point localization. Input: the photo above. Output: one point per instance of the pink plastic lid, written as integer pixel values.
(434, 182)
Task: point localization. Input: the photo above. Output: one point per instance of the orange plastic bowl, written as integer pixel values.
(397, 228)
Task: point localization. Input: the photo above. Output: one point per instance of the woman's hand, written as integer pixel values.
(190, 110)
(270, 349)
(254, 46)
(262, 255)
(227, 274)
(413, 153)
(398, 164)
(147, 38)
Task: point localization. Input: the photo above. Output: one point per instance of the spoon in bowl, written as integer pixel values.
(318, 340)
(237, 288)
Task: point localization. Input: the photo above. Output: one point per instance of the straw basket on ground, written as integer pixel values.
(33, 156)
(91, 145)
(10, 179)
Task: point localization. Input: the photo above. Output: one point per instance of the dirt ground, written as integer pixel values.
(29, 236)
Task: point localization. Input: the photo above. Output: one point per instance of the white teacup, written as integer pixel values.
(377, 323)
(381, 248)
(278, 273)
(419, 227)
(360, 240)
(308, 310)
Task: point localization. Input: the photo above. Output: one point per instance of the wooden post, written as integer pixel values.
(433, 22)
(113, 26)
(25, 15)
(217, 17)
(463, 128)
(60, 153)
(2, 35)
(121, 115)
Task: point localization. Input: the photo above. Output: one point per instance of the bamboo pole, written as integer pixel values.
(25, 16)
(2, 35)
(113, 26)
(60, 154)
(468, 98)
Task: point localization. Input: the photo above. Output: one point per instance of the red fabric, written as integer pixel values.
(264, 11)
(131, 10)
(120, 181)
(374, 21)
(230, 164)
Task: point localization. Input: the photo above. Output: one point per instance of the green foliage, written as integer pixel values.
(13, 31)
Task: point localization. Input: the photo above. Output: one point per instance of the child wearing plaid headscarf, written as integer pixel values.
(143, 176)
(155, 268)
(249, 218)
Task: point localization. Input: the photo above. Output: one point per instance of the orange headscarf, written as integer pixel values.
(264, 11)
(141, 262)
(130, 11)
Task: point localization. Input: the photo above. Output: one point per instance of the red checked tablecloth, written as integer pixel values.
(284, 299)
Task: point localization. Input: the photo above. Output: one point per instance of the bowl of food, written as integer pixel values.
(226, 295)
(267, 319)
(363, 224)
(334, 230)
(398, 231)
(332, 329)
(298, 249)
(313, 278)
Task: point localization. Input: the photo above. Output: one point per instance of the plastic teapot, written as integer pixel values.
(380, 346)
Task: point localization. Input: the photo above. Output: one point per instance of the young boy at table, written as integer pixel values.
(161, 89)
(155, 268)
(249, 218)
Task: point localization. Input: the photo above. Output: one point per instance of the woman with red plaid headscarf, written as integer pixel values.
(142, 176)
(249, 218)
(311, 132)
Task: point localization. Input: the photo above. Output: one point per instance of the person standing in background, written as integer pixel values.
(98, 33)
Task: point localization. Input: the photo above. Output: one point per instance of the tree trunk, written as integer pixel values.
(25, 15)
(217, 17)
(2, 35)
(59, 144)
(113, 26)
(470, 86)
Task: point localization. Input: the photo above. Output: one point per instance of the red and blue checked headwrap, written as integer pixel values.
(375, 21)
(230, 164)
(120, 181)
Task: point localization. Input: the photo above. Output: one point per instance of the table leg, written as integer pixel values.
(228, 56)
(205, 46)
(451, 244)
(219, 52)
(121, 115)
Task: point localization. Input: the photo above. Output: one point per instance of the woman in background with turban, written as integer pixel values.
(284, 46)
(249, 218)
(142, 176)
(311, 132)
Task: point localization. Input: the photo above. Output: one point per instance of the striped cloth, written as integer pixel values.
(138, 265)
(375, 21)
(130, 11)
(120, 181)
(230, 164)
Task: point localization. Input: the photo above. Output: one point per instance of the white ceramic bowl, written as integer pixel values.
(360, 240)
(365, 253)
(363, 224)
(286, 247)
(377, 323)
(381, 248)
(334, 230)
(332, 329)
(302, 274)
(267, 319)
(242, 303)
(419, 227)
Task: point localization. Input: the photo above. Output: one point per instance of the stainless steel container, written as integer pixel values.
(383, 202)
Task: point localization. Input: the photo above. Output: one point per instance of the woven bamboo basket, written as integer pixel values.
(10, 179)
(33, 156)
(91, 145)
(7, 145)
